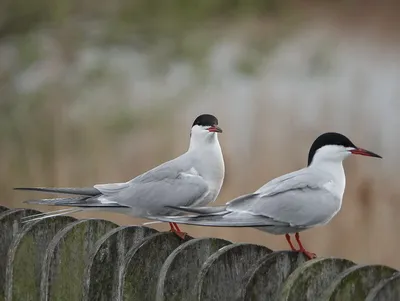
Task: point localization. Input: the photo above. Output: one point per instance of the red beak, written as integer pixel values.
(364, 152)
(215, 129)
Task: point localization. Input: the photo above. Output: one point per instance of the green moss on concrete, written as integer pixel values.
(309, 280)
(70, 257)
(143, 264)
(356, 282)
(25, 286)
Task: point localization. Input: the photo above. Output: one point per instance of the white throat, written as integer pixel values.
(201, 137)
(329, 159)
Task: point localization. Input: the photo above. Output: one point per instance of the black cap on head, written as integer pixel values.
(205, 120)
(330, 138)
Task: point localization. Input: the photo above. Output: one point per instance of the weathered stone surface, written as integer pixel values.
(142, 266)
(66, 258)
(388, 289)
(310, 280)
(102, 272)
(264, 281)
(356, 282)
(179, 272)
(26, 255)
(3, 208)
(222, 273)
(9, 227)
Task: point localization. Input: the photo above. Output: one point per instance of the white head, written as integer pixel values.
(334, 147)
(204, 130)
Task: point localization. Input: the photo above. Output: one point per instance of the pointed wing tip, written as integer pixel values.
(29, 188)
(20, 188)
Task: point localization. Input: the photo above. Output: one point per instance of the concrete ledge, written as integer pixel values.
(65, 259)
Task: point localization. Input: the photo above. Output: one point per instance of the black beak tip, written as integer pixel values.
(216, 129)
(372, 154)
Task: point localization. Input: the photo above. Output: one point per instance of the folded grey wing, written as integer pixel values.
(302, 207)
(174, 189)
(298, 200)
(295, 180)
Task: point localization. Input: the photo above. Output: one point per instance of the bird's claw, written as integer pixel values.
(181, 235)
(309, 255)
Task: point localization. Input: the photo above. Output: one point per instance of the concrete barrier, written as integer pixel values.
(65, 259)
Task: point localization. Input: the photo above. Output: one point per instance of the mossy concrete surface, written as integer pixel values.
(67, 256)
(179, 272)
(387, 289)
(25, 257)
(10, 225)
(265, 280)
(64, 259)
(355, 283)
(311, 279)
(143, 264)
(103, 270)
(221, 275)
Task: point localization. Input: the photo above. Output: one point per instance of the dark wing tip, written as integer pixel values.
(28, 188)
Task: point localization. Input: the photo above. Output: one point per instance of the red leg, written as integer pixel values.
(177, 231)
(287, 236)
(177, 227)
(302, 249)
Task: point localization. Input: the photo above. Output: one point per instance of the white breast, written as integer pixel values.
(211, 168)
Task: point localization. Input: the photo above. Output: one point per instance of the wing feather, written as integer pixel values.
(298, 199)
(166, 186)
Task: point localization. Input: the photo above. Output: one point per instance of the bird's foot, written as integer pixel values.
(180, 234)
(308, 254)
(175, 229)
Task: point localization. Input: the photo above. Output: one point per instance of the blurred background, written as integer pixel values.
(101, 91)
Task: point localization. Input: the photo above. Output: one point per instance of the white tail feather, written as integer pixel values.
(52, 214)
(44, 213)
(150, 223)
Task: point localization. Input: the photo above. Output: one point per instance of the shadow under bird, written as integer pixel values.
(291, 203)
(193, 179)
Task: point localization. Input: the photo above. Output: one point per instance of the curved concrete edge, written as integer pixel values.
(137, 276)
(172, 287)
(119, 240)
(224, 270)
(357, 281)
(266, 279)
(310, 279)
(52, 224)
(387, 289)
(56, 248)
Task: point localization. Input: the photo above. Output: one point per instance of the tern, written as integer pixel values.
(291, 203)
(193, 179)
